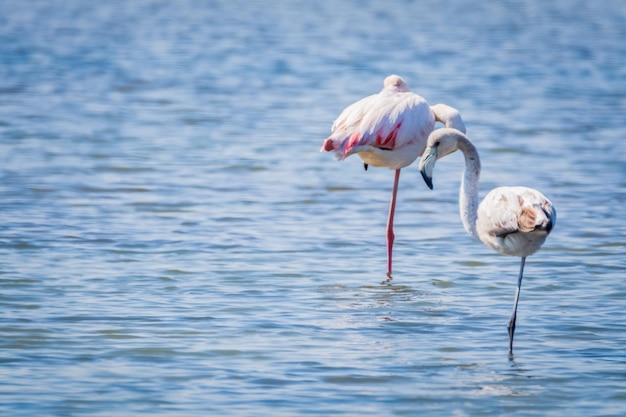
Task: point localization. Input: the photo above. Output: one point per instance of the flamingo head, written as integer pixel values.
(441, 142)
(395, 83)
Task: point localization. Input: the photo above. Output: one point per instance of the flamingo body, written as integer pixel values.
(513, 221)
(388, 130)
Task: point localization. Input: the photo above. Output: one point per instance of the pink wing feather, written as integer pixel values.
(387, 120)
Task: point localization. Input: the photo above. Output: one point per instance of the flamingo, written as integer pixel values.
(513, 221)
(388, 129)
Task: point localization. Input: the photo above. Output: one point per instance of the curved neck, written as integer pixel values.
(468, 196)
(449, 116)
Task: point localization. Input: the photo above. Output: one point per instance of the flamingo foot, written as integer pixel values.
(389, 278)
(511, 329)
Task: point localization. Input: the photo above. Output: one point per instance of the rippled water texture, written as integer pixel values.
(172, 243)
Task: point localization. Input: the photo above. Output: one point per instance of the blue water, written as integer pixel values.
(172, 243)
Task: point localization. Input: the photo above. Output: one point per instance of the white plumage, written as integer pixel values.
(514, 221)
(388, 129)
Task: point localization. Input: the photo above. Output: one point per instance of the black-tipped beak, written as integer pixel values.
(427, 165)
(428, 180)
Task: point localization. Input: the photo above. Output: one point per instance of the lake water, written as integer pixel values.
(173, 243)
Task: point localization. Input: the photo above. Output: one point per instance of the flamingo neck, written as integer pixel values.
(468, 198)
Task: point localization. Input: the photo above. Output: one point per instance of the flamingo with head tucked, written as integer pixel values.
(514, 221)
(389, 129)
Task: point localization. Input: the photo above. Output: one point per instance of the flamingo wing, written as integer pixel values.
(514, 219)
(388, 120)
(498, 212)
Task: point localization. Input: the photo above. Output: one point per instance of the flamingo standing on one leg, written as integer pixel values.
(514, 221)
(389, 129)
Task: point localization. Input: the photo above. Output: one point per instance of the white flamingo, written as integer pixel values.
(514, 221)
(388, 129)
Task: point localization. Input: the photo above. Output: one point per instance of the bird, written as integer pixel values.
(388, 129)
(513, 221)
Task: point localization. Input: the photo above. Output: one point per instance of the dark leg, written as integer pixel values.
(390, 236)
(511, 325)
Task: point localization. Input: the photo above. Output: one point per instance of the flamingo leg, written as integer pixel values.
(511, 325)
(390, 236)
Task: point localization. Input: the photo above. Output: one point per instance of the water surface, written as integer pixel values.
(173, 243)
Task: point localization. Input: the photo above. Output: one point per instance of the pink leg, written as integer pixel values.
(390, 236)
